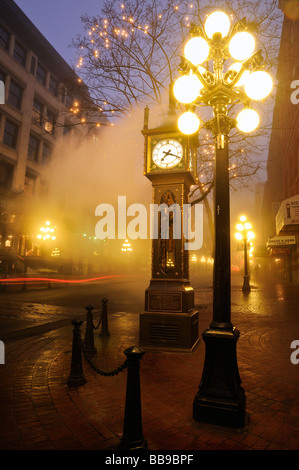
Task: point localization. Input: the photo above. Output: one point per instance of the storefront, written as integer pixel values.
(285, 245)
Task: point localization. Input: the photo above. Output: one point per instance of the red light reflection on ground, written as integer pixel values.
(17, 280)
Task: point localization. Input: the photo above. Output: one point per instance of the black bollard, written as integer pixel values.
(132, 432)
(104, 331)
(76, 377)
(89, 338)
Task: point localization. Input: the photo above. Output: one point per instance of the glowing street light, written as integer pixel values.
(126, 247)
(245, 234)
(215, 43)
(217, 23)
(47, 234)
(221, 89)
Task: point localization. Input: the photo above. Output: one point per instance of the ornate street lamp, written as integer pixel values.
(220, 398)
(126, 247)
(245, 233)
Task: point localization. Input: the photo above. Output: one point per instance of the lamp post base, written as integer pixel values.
(220, 398)
(246, 285)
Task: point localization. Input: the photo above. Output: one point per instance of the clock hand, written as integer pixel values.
(168, 153)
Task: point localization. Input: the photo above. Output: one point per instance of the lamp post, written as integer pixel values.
(220, 398)
(246, 235)
(47, 232)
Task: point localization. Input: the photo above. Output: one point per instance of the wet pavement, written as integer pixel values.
(39, 411)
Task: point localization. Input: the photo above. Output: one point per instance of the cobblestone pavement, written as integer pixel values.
(39, 411)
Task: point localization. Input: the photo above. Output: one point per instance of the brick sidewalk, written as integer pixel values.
(39, 411)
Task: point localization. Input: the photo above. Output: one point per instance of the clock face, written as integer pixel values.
(167, 153)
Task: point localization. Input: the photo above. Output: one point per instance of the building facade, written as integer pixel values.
(39, 90)
(281, 193)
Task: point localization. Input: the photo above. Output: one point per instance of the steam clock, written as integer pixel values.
(169, 321)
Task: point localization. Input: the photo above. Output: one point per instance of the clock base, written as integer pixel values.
(176, 332)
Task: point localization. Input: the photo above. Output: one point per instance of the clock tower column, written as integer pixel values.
(169, 321)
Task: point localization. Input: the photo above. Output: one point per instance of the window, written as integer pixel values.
(33, 148)
(37, 111)
(43, 187)
(53, 86)
(33, 65)
(19, 54)
(10, 135)
(63, 93)
(4, 38)
(6, 174)
(46, 154)
(69, 100)
(15, 95)
(29, 184)
(41, 74)
(2, 76)
(50, 122)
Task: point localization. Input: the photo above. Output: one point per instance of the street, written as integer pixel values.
(40, 412)
(39, 305)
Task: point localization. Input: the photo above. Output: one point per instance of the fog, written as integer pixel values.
(97, 171)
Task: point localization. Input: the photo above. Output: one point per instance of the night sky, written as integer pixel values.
(59, 20)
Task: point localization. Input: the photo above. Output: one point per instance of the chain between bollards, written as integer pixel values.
(115, 371)
(132, 438)
(89, 337)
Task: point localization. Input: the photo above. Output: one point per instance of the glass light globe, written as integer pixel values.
(186, 88)
(250, 235)
(188, 123)
(238, 236)
(247, 120)
(258, 85)
(201, 69)
(241, 45)
(247, 226)
(196, 50)
(217, 22)
(237, 67)
(240, 227)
